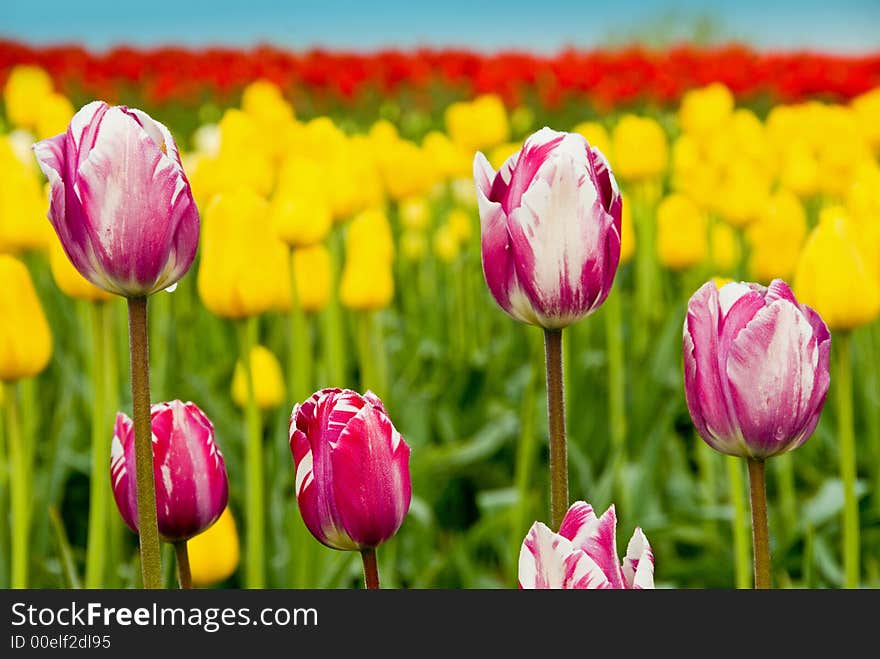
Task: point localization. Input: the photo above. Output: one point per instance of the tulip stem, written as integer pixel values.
(846, 436)
(740, 531)
(300, 354)
(99, 482)
(371, 569)
(255, 574)
(18, 475)
(333, 338)
(760, 528)
(151, 561)
(184, 577)
(556, 419)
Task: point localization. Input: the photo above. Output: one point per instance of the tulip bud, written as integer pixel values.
(25, 340)
(244, 269)
(26, 89)
(367, 281)
(755, 368)
(833, 266)
(268, 381)
(550, 229)
(596, 135)
(477, 124)
(583, 555)
(312, 273)
(703, 110)
(776, 237)
(23, 225)
(190, 474)
(301, 213)
(725, 247)
(640, 148)
(352, 469)
(56, 111)
(121, 203)
(214, 553)
(682, 229)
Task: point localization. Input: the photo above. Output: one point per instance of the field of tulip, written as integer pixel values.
(401, 224)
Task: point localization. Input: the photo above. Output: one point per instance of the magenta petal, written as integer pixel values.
(596, 537)
(549, 560)
(122, 477)
(779, 290)
(638, 565)
(371, 485)
(704, 391)
(772, 375)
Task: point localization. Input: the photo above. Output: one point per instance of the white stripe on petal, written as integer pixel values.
(304, 472)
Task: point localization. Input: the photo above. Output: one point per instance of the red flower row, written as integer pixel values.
(607, 78)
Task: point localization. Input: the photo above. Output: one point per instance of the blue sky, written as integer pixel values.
(844, 26)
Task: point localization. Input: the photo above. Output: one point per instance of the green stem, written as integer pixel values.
(184, 577)
(740, 526)
(760, 528)
(65, 553)
(255, 571)
(616, 391)
(151, 562)
(556, 419)
(846, 436)
(99, 482)
(18, 484)
(300, 354)
(371, 570)
(333, 338)
(369, 369)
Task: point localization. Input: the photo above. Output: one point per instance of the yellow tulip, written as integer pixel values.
(627, 232)
(863, 194)
(703, 110)
(449, 158)
(301, 213)
(26, 90)
(725, 247)
(23, 205)
(406, 171)
(68, 279)
(264, 101)
(214, 554)
(776, 237)
(25, 339)
(640, 148)
(244, 269)
(836, 276)
(370, 233)
(867, 109)
(446, 246)
(741, 193)
(464, 192)
(415, 212)
(681, 233)
(478, 124)
(597, 136)
(269, 388)
(312, 273)
(56, 111)
(367, 282)
(461, 224)
(413, 244)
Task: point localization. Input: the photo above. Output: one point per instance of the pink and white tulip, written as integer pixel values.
(583, 555)
(352, 469)
(190, 474)
(120, 201)
(755, 368)
(550, 222)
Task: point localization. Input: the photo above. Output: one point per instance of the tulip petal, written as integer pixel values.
(525, 165)
(704, 390)
(549, 560)
(498, 267)
(596, 537)
(51, 156)
(371, 485)
(771, 369)
(638, 565)
(123, 491)
(558, 240)
(142, 203)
